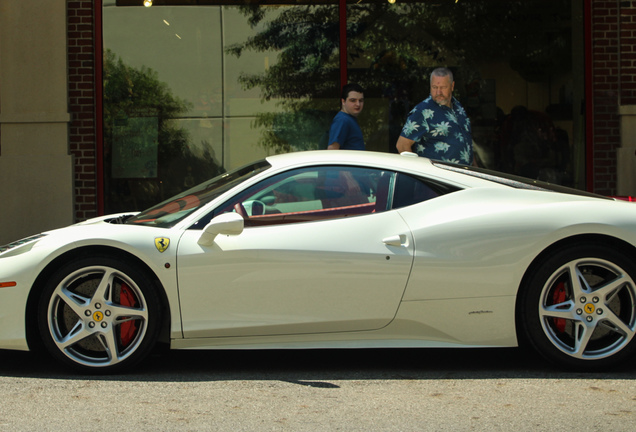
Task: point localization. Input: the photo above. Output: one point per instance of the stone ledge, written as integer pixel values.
(627, 110)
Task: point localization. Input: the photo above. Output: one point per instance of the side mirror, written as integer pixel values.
(226, 223)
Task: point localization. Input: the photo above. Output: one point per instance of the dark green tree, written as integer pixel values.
(392, 44)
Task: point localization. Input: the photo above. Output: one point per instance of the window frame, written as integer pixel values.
(384, 202)
(302, 215)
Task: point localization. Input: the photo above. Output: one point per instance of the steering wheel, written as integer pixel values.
(255, 207)
(238, 208)
(250, 208)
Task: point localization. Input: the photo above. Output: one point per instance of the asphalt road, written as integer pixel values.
(322, 390)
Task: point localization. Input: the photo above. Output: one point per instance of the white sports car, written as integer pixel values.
(333, 249)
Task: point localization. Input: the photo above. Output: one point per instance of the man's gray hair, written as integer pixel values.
(442, 72)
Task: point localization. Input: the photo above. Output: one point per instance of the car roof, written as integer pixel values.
(405, 162)
(460, 175)
(369, 158)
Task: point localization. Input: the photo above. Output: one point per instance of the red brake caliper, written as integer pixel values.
(128, 329)
(558, 297)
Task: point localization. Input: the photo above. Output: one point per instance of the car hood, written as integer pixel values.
(103, 231)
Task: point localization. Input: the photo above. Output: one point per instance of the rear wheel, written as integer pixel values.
(99, 315)
(579, 308)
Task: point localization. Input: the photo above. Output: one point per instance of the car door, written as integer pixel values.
(319, 253)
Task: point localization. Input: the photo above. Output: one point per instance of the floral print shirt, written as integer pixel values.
(440, 132)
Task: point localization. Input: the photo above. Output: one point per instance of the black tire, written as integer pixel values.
(578, 309)
(99, 315)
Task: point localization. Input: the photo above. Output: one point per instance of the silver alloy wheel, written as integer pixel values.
(97, 316)
(587, 308)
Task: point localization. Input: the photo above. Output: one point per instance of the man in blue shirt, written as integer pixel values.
(345, 133)
(438, 126)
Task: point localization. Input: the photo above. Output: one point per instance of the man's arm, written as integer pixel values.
(333, 146)
(404, 144)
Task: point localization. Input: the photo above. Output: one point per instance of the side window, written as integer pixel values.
(311, 194)
(410, 190)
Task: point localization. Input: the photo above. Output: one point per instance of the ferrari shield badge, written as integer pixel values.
(162, 244)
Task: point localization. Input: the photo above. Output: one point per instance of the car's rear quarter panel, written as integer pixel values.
(473, 248)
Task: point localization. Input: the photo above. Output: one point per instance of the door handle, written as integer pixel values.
(396, 240)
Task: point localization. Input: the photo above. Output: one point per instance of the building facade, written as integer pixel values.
(113, 105)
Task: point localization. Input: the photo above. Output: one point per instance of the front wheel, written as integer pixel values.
(579, 308)
(99, 315)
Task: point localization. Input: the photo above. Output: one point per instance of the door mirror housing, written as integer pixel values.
(226, 224)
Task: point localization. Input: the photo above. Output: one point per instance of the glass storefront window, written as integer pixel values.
(195, 88)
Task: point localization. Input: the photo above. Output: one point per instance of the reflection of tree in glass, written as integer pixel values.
(304, 80)
(131, 93)
(393, 47)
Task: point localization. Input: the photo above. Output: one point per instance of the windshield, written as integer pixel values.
(173, 210)
(513, 180)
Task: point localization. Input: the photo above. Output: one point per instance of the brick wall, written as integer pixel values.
(627, 53)
(81, 88)
(613, 83)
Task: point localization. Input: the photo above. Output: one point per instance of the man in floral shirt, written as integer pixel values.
(438, 128)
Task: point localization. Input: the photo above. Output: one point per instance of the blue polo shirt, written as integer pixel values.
(346, 132)
(440, 132)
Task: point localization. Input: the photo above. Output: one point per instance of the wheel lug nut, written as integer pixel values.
(589, 319)
(91, 324)
(107, 313)
(87, 313)
(595, 299)
(583, 299)
(579, 311)
(599, 311)
(98, 306)
(104, 325)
